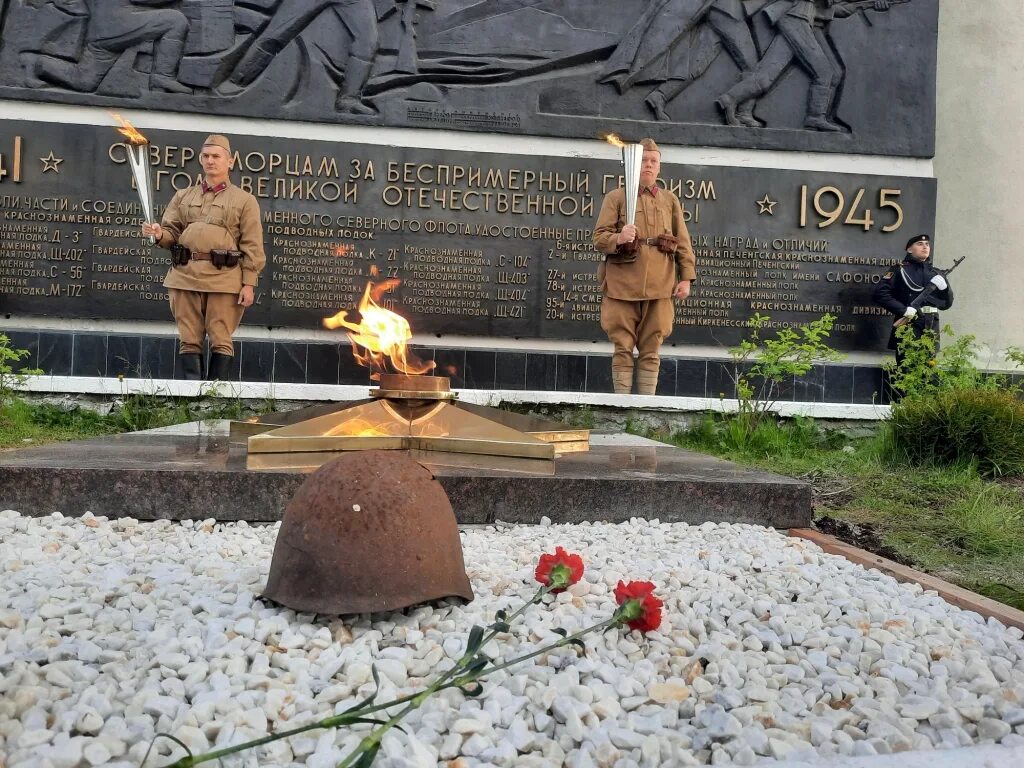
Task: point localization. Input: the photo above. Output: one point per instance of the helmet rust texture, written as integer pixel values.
(368, 531)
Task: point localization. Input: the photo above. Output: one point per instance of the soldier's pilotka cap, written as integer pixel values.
(918, 239)
(216, 140)
(649, 144)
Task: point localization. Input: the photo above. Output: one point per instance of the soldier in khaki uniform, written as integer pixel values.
(215, 235)
(646, 265)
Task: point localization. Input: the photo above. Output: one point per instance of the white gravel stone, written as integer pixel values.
(113, 631)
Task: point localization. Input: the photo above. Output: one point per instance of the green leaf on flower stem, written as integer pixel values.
(366, 759)
(501, 626)
(369, 720)
(476, 634)
(477, 664)
(376, 689)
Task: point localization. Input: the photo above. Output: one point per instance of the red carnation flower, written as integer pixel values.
(640, 609)
(560, 570)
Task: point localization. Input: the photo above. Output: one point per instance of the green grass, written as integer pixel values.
(24, 424)
(948, 521)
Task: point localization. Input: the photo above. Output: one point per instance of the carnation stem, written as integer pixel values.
(447, 680)
(344, 718)
(350, 716)
(450, 679)
(615, 620)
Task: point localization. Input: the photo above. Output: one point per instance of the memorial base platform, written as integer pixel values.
(192, 471)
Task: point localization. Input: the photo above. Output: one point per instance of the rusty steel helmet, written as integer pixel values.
(368, 531)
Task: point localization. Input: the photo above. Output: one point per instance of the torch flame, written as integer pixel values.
(129, 131)
(381, 336)
(614, 140)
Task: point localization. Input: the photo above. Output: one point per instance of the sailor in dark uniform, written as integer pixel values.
(904, 282)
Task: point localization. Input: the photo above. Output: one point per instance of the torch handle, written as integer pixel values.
(632, 159)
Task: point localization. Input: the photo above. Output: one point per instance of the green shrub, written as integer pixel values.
(954, 426)
(9, 377)
(925, 370)
(763, 367)
(1015, 355)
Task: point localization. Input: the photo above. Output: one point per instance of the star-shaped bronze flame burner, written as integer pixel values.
(415, 413)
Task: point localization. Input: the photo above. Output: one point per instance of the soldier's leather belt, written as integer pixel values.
(649, 240)
(219, 258)
(180, 256)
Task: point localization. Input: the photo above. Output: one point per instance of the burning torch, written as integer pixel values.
(632, 160)
(137, 150)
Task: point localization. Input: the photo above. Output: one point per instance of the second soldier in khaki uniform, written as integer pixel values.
(215, 235)
(646, 265)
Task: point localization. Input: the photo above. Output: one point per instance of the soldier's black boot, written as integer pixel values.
(820, 96)
(357, 72)
(219, 367)
(191, 366)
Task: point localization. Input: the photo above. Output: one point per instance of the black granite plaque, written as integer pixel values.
(490, 245)
(826, 75)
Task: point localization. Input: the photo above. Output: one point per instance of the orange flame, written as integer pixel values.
(129, 131)
(380, 336)
(614, 140)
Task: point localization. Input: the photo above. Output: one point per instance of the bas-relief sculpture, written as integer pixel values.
(826, 75)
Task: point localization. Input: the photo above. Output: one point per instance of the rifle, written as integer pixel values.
(852, 7)
(865, 5)
(928, 291)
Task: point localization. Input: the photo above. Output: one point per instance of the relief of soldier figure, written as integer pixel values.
(291, 17)
(216, 47)
(111, 29)
(353, 56)
(676, 41)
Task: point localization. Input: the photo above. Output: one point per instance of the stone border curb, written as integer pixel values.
(335, 392)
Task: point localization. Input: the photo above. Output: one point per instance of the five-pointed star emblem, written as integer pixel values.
(50, 162)
(767, 206)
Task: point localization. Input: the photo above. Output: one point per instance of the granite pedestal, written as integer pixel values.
(193, 471)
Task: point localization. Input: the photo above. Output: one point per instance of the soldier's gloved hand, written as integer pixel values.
(939, 282)
(910, 314)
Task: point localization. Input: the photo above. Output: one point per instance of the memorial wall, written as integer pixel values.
(482, 244)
